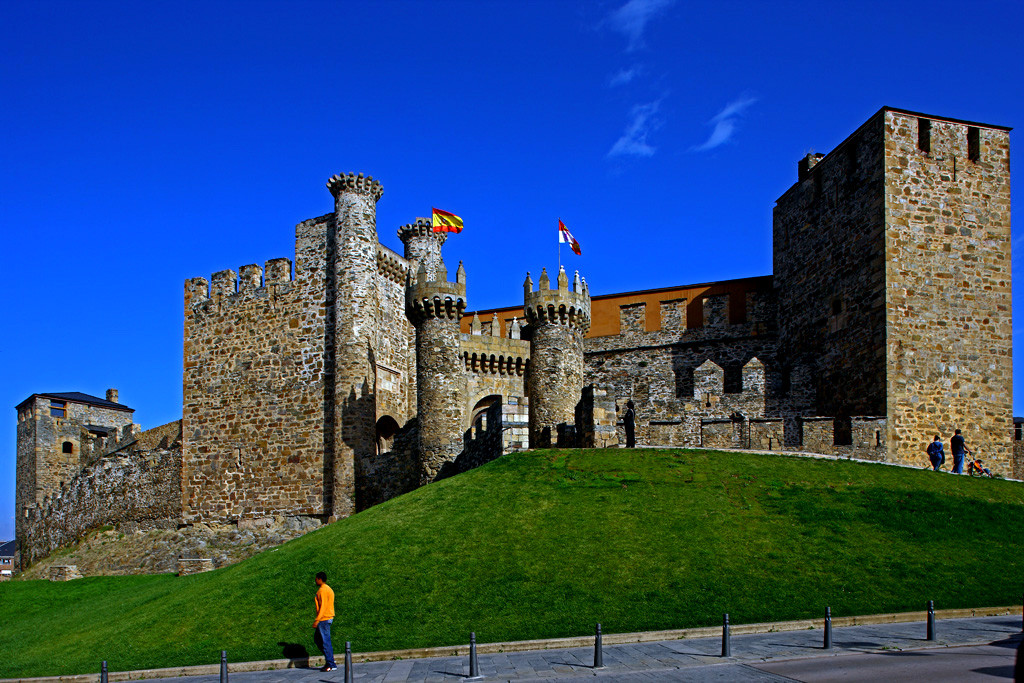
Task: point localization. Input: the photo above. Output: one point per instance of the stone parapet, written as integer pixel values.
(561, 306)
(438, 298)
(352, 182)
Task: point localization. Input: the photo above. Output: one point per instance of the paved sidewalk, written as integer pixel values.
(755, 657)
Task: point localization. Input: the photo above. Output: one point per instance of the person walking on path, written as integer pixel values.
(324, 602)
(935, 453)
(959, 448)
(629, 420)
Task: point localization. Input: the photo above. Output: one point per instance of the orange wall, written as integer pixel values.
(604, 309)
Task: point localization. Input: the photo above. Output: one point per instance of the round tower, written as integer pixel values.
(422, 244)
(435, 307)
(356, 321)
(559, 319)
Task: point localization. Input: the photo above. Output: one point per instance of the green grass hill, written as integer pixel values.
(546, 543)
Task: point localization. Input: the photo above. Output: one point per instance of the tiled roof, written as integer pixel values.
(79, 397)
(8, 549)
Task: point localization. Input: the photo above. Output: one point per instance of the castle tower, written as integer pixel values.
(435, 306)
(904, 309)
(559, 319)
(422, 244)
(356, 313)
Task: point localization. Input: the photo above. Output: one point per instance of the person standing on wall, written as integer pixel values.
(324, 603)
(959, 448)
(629, 420)
(935, 453)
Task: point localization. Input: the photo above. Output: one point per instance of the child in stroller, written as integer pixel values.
(977, 469)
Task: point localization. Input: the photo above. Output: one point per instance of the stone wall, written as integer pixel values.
(947, 270)
(136, 490)
(597, 418)
(255, 427)
(829, 267)
(1018, 459)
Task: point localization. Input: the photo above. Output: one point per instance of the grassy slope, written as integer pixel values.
(547, 543)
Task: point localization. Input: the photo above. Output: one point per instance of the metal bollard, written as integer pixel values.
(223, 666)
(828, 628)
(348, 662)
(474, 667)
(103, 672)
(598, 654)
(726, 649)
(931, 620)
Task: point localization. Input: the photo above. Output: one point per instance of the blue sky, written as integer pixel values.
(145, 143)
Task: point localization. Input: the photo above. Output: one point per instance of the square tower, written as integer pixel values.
(892, 267)
(50, 432)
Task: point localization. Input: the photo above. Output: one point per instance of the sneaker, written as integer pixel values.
(329, 668)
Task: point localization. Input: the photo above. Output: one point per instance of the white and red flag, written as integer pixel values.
(564, 236)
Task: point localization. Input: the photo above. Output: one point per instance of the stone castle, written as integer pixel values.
(316, 389)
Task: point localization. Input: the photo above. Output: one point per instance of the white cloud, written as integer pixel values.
(632, 18)
(643, 120)
(623, 76)
(725, 123)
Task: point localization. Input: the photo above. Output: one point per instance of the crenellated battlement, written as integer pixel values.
(438, 298)
(391, 266)
(422, 227)
(250, 280)
(353, 182)
(560, 306)
(483, 354)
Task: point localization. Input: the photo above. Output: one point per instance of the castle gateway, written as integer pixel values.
(319, 388)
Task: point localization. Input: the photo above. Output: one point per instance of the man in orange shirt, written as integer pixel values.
(324, 602)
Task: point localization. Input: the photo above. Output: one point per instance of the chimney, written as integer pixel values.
(112, 395)
(806, 164)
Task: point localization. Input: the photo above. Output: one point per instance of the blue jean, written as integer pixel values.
(958, 463)
(322, 638)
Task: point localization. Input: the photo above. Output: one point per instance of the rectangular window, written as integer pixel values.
(973, 143)
(58, 408)
(924, 135)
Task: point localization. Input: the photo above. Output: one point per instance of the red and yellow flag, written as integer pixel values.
(443, 221)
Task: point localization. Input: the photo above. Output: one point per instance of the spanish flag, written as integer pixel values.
(564, 236)
(445, 222)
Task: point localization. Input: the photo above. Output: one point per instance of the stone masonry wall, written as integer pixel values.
(829, 250)
(141, 489)
(947, 269)
(254, 426)
(494, 366)
(657, 369)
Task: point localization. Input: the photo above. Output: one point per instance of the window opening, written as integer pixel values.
(58, 408)
(974, 143)
(67, 447)
(924, 135)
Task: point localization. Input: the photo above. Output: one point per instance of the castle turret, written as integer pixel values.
(435, 307)
(356, 314)
(422, 244)
(560, 319)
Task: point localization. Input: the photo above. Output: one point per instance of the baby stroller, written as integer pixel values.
(976, 468)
